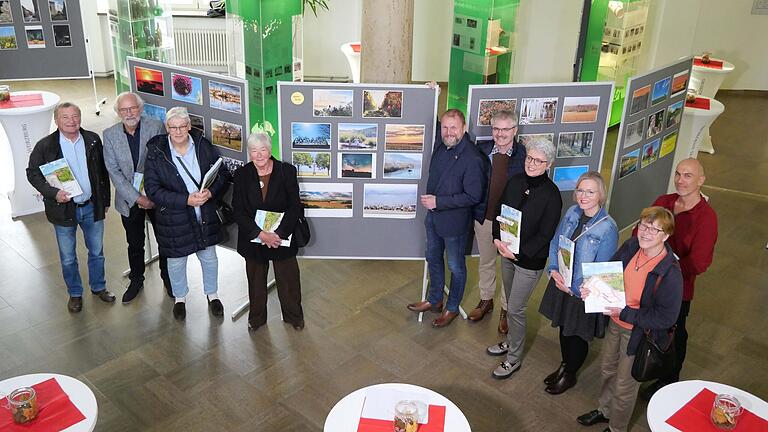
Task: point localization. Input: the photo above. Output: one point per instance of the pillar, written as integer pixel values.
(387, 41)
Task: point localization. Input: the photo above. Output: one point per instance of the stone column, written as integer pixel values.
(387, 41)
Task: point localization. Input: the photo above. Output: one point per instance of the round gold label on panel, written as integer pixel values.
(297, 98)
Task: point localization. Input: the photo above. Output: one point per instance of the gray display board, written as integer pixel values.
(645, 150)
(573, 116)
(42, 39)
(362, 152)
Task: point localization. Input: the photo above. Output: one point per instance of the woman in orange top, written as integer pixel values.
(653, 286)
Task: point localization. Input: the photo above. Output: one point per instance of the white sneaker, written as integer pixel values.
(499, 349)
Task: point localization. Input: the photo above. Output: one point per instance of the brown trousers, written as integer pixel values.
(619, 390)
(288, 281)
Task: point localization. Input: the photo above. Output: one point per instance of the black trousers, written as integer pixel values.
(574, 351)
(288, 281)
(134, 235)
(681, 343)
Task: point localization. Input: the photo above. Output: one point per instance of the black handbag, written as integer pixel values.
(301, 234)
(651, 360)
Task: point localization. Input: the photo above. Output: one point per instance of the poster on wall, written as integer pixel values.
(645, 150)
(361, 153)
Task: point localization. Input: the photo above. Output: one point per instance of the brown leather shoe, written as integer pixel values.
(482, 308)
(75, 304)
(503, 325)
(425, 306)
(444, 319)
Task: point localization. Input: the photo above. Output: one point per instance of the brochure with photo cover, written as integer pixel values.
(59, 175)
(565, 250)
(509, 227)
(210, 176)
(269, 221)
(605, 282)
(138, 182)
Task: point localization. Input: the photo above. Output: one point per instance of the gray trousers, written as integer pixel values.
(486, 267)
(518, 285)
(618, 393)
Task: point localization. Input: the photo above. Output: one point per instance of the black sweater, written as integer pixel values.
(541, 208)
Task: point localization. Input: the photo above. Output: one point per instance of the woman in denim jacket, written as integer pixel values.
(596, 236)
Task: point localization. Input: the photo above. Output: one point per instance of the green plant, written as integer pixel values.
(314, 4)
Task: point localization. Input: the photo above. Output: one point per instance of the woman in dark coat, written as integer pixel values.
(270, 185)
(186, 222)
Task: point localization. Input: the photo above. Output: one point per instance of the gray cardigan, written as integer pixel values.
(117, 158)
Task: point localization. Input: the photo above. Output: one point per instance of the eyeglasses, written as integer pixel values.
(178, 128)
(651, 229)
(586, 192)
(128, 109)
(534, 161)
(495, 129)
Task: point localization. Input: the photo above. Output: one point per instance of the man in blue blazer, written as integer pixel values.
(455, 185)
(125, 149)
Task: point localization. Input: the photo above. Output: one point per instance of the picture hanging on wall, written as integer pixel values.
(227, 135)
(565, 177)
(30, 11)
(668, 144)
(382, 103)
(197, 122)
(629, 163)
(312, 164)
(232, 164)
(154, 111)
(527, 138)
(640, 99)
(311, 136)
(224, 96)
(326, 199)
(149, 81)
(486, 108)
(650, 153)
(186, 88)
(6, 15)
(580, 109)
(660, 90)
(358, 136)
(58, 10)
(674, 114)
(679, 83)
(399, 137)
(634, 133)
(655, 123)
(332, 103)
(538, 110)
(356, 165)
(35, 37)
(402, 166)
(61, 35)
(391, 201)
(8, 38)
(575, 144)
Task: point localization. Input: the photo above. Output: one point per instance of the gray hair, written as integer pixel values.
(595, 176)
(62, 105)
(125, 94)
(542, 145)
(259, 139)
(177, 112)
(504, 115)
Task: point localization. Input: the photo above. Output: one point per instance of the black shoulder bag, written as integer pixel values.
(223, 210)
(651, 360)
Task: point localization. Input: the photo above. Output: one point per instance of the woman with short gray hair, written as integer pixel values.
(538, 199)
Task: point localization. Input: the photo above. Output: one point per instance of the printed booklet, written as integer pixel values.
(605, 282)
(269, 221)
(59, 175)
(509, 227)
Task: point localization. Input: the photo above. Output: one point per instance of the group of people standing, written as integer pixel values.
(672, 243)
(158, 171)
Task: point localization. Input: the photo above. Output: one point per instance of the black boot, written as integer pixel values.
(554, 376)
(566, 381)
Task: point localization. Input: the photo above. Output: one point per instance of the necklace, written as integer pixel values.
(638, 266)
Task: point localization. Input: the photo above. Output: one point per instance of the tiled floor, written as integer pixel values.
(150, 372)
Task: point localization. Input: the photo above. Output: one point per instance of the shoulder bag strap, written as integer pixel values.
(197, 183)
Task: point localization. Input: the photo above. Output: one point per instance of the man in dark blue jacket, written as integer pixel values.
(505, 158)
(455, 186)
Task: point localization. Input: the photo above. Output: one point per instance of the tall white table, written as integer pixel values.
(345, 415)
(693, 136)
(670, 398)
(80, 395)
(24, 127)
(711, 76)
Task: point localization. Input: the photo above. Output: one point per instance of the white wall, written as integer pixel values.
(432, 26)
(324, 35)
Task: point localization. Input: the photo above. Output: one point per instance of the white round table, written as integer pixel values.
(345, 415)
(711, 77)
(24, 127)
(351, 51)
(693, 136)
(670, 398)
(80, 395)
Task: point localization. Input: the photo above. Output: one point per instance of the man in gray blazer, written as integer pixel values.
(125, 149)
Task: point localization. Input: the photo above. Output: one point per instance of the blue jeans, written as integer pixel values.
(454, 248)
(177, 271)
(93, 233)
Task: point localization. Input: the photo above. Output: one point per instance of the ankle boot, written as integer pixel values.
(554, 376)
(566, 381)
(503, 325)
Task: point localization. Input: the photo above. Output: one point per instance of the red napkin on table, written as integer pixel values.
(694, 416)
(714, 64)
(700, 103)
(436, 422)
(20, 101)
(56, 411)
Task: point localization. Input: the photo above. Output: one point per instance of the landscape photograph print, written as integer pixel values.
(61, 35)
(382, 103)
(679, 83)
(633, 133)
(402, 166)
(6, 15)
(575, 144)
(149, 81)
(565, 177)
(401, 137)
(538, 110)
(326, 199)
(655, 123)
(227, 135)
(312, 164)
(628, 163)
(155, 111)
(390, 201)
(186, 88)
(29, 11)
(58, 10)
(580, 109)
(8, 38)
(357, 165)
(674, 114)
(311, 136)
(35, 37)
(225, 97)
(526, 138)
(668, 144)
(332, 103)
(358, 136)
(650, 153)
(640, 99)
(486, 108)
(197, 122)
(660, 90)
